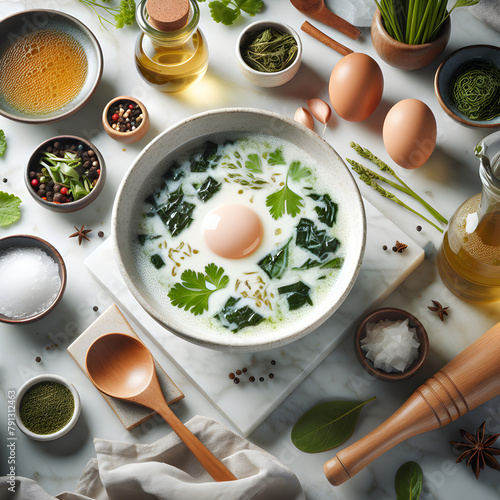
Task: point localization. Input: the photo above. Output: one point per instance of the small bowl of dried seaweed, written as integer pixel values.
(269, 53)
(466, 85)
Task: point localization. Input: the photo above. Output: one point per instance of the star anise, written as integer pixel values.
(439, 309)
(399, 247)
(81, 233)
(478, 450)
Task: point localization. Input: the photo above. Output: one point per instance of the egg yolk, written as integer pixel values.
(232, 231)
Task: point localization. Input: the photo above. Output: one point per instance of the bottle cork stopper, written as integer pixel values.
(168, 15)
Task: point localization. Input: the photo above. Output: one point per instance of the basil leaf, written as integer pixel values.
(298, 295)
(408, 481)
(275, 263)
(235, 319)
(208, 189)
(326, 425)
(315, 240)
(327, 213)
(157, 261)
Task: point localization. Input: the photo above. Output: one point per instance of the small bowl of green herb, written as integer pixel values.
(269, 53)
(467, 85)
(47, 407)
(65, 174)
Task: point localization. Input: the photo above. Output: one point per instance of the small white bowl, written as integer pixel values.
(261, 78)
(47, 378)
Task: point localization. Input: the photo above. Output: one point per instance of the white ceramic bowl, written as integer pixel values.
(47, 378)
(259, 77)
(151, 164)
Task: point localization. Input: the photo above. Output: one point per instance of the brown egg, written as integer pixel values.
(409, 133)
(356, 86)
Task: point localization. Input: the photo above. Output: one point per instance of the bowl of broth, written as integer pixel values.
(239, 229)
(50, 65)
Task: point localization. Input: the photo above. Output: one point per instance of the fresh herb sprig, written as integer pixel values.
(416, 21)
(9, 209)
(3, 143)
(123, 15)
(227, 11)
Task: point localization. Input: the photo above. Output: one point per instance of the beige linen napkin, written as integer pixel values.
(166, 470)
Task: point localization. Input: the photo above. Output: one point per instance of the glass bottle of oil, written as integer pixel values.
(171, 61)
(469, 259)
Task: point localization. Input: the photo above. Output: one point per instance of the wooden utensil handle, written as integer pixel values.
(328, 17)
(206, 458)
(470, 379)
(308, 28)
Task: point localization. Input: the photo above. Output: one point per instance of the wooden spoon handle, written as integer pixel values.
(328, 17)
(206, 458)
(470, 379)
(308, 28)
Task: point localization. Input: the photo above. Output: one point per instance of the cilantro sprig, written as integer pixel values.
(9, 209)
(123, 15)
(227, 11)
(196, 288)
(286, 200)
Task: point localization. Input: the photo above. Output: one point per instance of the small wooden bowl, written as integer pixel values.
(27, 241)
(403, 55)
(125, 137)
(391, 314)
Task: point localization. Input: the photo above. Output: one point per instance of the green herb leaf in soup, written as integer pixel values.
(297, 295)
(208, 189)
(253, 164)
(316, 241)
(275, 263)
(157, 261)
(276, 158)
(326, 425)
(284, 200)
(235, 319)
(327, 213)
(297, 171)
(176, 213)
(408, 481)
(207, 157)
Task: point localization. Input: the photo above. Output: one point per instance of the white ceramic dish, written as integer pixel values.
(258, 77)
(153, 162)
(48, 378)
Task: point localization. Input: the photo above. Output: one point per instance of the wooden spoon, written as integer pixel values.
(318, 10)
(122, 367)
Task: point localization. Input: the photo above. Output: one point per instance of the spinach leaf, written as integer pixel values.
(253, 164)
(208, 189)
(174, 173)
(276, 158)
(209, 155)
(315, 240)
(235, 319)
(298, 295)
(408, 481)
(157, 261)
(326, 425)
(151, 200)
(333, 264)
(327, 213)
(145, 237)
(308, 264)
(275, 263)
(176, 213)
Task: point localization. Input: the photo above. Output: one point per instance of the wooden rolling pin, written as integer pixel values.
(470, 379)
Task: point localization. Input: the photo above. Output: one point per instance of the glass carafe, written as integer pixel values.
(469, 259)
(171, 61)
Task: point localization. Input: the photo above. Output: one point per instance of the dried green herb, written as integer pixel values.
(235, 319)
(270, 51)
(275, 263)
(408, 481)
(297, 295)
(326, 425)
(208, 189)
(315, 240)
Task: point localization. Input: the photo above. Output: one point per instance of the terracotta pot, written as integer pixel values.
(402, 55)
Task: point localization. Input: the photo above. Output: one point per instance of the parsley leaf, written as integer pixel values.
(222, 12)
(123, 15)
(251, 7)
(9, 209)
(285, 199)
(276, 158)
(253, 164)
(297, 172)
(126, 16)
(3, 143)
(193, 293)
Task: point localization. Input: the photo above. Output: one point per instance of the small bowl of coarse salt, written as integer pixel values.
(391, 344)
(33, 278)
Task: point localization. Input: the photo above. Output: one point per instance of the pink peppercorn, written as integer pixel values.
(130, 106)
(35, 182)
(115, 117)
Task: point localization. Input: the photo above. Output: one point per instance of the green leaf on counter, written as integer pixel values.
(274, 264)
(408, 481)
(9, 209)
(297, 295)
(326, 425)
(3, 143)
(222, 12)
(235, 319)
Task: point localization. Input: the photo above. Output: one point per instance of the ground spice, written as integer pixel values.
(46, 407)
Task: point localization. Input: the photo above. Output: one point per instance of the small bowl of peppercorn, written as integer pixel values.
(125, 119)
(47, 407)
(65, 174)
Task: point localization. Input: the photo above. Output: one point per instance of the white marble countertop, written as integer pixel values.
(448, 178)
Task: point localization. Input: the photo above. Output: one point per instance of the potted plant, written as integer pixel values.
(410, 34)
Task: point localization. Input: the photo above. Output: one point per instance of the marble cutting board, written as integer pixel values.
(247, 404)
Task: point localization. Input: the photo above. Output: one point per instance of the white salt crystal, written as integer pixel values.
(29, 282)
(391, 345)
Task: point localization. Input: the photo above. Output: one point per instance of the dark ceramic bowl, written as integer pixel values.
(23, 241)
(31, 21)
(448, 71)
(391, 314)
(72, 206)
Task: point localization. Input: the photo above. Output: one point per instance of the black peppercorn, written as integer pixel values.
(236, 380)
(252, 379)
(271, 375)
(261, 379)
(273, 362)
(95, 308)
